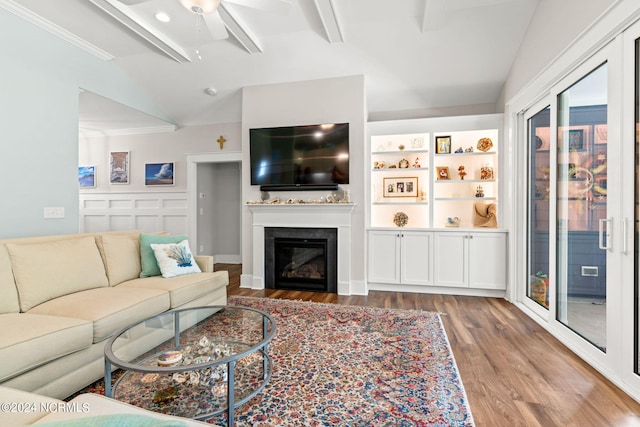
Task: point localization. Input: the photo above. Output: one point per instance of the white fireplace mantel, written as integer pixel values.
(307, 215)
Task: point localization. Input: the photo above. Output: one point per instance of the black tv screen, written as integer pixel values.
(300, 155)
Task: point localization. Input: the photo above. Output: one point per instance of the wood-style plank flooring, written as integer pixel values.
(514, 372)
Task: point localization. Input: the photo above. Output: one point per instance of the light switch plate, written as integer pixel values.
(54, 212)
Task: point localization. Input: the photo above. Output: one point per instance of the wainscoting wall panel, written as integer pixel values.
(148, 211)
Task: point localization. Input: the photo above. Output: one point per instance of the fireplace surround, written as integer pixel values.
(302, 259)
(310, 215)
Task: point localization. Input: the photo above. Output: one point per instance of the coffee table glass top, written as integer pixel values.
(184, 362)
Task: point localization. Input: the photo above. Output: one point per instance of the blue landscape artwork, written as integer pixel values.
(87, 176)
(158, 174)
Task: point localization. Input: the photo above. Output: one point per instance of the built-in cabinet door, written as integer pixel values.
(416, 257)
(487, 255)
(384, 256)
(450, 259)
(470, 260)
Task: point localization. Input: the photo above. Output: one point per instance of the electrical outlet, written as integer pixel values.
(54, 212)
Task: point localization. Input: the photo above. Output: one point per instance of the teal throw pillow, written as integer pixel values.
(147, 258)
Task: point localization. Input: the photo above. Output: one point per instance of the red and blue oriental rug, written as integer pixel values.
(336, 365)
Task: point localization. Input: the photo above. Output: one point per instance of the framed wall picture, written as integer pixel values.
(400, 187)
(442, 172)
(443, 144)
(159, 174)
(87, 176)
(119, 167)
(576, 139)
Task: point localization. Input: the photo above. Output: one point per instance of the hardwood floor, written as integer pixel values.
(514, 372)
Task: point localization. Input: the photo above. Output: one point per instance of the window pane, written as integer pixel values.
(539, 179)
(581, 188)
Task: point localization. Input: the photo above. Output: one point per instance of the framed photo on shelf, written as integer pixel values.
(119, 167)
(400, 187)
(87, 176)
(443, 144)
(159, 174)
(443, 172)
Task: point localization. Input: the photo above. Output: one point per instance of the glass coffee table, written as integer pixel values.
(194, 363)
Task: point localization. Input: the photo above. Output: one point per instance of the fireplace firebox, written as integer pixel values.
(301, 258)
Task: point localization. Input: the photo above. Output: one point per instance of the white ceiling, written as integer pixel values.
(415, 54)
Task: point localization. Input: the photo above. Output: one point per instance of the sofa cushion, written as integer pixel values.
(50, 269)
(37, 402)
(147, 258)
(30, 340)
(110, 309)
(183, 289)
(121, 257)
(175, 259)
(9, 301)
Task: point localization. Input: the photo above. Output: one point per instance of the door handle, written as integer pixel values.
(604, 235)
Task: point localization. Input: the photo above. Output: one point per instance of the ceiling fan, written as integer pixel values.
(214, 13)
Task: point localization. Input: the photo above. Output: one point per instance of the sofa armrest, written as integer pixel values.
(205, 262)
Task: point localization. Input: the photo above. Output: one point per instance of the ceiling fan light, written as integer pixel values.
(202, 6)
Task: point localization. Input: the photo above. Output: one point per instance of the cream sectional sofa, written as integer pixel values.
(61, 297)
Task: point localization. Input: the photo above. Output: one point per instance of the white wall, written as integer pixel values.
(136, 206)
(336, 100)
(553, 27)
(154, 148)
(39, 84)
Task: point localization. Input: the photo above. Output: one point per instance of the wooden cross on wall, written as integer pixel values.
(221, 141)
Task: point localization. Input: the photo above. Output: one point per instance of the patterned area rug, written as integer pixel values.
(336, 365)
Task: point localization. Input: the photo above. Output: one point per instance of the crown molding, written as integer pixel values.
(54, 29)
(130, 131)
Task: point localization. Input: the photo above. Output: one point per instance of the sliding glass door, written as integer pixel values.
(582, 273)
(584, 225)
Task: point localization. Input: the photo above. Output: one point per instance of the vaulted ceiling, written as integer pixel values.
(415, 54)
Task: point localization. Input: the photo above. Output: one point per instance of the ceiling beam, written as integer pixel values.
(128, 18)
(434, 15)
(239, 29)
(330, 21)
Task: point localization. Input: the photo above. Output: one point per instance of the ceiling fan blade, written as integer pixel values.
(216, 26)
(280, 7)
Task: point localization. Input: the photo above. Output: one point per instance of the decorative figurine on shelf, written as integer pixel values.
(401, 147)
(479, 191)
(416, 163)
(400, 219)
(452, 222)
(486, 172)
(376, 165)
(459, 150)
(468, 150)
(461, 172)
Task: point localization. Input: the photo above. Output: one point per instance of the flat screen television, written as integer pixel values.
(300, 157)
